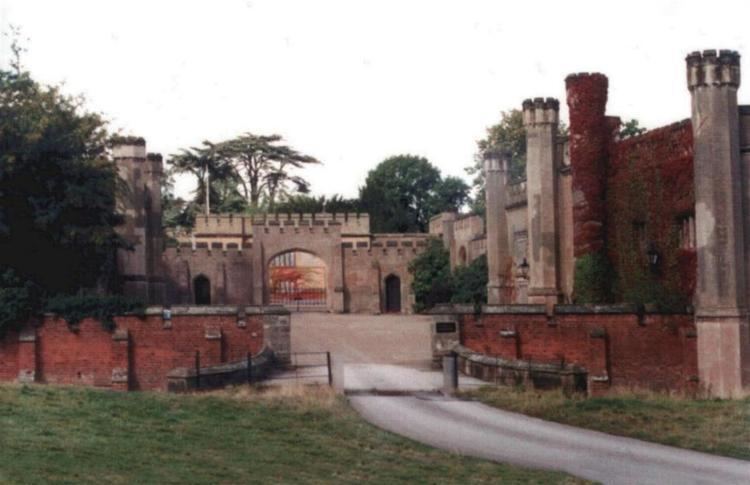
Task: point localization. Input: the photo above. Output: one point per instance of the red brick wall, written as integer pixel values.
(590, 133)
(9, 356)
(88, 354)
(650, 181)
(659, 352)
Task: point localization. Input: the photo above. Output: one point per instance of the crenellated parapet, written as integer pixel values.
(709, 68)
(541, 111)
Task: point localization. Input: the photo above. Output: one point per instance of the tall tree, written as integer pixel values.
(631, 128)
(404, 191)
(509, 136)
(265, 167)
(211, 170)
(57, 190)
(312, 204)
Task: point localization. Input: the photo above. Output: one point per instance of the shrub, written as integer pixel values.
(103, 308)
(470, 283)
(17, 301)
(433, 282)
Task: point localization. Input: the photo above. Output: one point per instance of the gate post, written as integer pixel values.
(450, 373)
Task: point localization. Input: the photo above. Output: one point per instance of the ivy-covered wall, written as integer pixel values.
(650, 203)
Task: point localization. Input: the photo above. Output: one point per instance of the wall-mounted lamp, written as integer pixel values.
(523, 269)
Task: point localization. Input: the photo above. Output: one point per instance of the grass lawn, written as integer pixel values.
(715, 426)
(70, 435)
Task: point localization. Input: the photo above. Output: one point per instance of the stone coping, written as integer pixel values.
(208, 310)
(179, 310)
(528, 309)
(472, 356)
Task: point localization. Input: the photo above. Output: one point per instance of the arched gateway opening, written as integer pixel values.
(297, 280)
(393, 294)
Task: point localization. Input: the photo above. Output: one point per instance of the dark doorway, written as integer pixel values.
(393, 294)
(202, 290)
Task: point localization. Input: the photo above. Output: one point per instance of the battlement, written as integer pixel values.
(387, 244)
(586, 91)
(709, 69)
(541, 111)
(133, 150)
(242, 225)
(228, 250)
(496, 160)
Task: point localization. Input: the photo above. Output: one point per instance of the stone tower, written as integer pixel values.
(499, 262)
(721, 293)
(140, 202)
(541, 118)
(589, 136)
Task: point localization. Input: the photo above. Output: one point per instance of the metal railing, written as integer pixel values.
(299, 298)
(307, 367)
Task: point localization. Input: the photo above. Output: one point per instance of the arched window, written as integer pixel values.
(202, 290)
(393, 294)
(297, 279)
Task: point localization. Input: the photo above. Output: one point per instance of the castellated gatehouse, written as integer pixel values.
(668, 208)
(601, 220)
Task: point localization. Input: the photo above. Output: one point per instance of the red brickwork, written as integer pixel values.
(651, 351)
(138, 355)
(590, 133)
(9, 356)
(650, 182)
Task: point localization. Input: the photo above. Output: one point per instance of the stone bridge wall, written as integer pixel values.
(617, 346)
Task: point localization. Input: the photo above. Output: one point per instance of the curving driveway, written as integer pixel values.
(403, 399)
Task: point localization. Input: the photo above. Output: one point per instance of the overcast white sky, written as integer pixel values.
(352, 82)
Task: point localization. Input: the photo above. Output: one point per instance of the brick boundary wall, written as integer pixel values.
(616, 345)
(141, 351)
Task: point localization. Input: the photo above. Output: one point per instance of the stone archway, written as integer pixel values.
(298, 280)
(393, 294)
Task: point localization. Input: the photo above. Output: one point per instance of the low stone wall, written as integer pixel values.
(615, 344)
(184, 379)
(569, 377)
(142, 350)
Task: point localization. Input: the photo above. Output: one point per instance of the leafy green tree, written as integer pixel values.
(470, 282)
(509, 136)
(433, 282)
(265, 168)
(631, 128)
(404, 191)
(176, 212)
(311, 204)
(212, 172)
(57, 194)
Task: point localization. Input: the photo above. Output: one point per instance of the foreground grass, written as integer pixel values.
(714, 426)
(53, 434)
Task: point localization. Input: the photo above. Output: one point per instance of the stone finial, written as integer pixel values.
(128, 147)
(155, 157)
(711, 69)
(541, 111)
